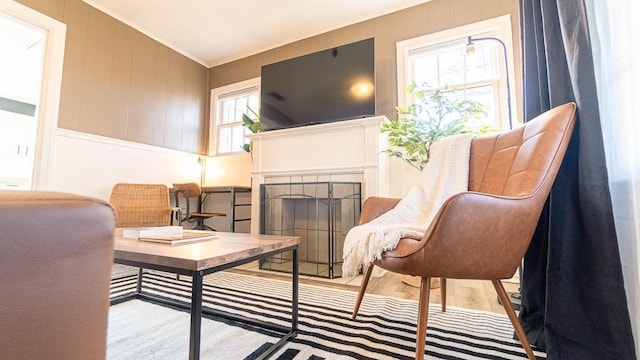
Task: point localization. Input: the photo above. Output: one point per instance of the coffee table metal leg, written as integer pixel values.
(139, 284)
(196, 316)
(294, 300)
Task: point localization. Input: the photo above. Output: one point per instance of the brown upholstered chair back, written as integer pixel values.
(516, 163)
(141, 205)
(521, 165)
(56, 254)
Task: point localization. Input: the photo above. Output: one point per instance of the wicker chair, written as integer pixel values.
(141, 205)
(186, 192)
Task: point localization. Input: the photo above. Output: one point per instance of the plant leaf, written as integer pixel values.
(434, 114)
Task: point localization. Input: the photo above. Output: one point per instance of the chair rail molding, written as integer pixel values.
(349, 150)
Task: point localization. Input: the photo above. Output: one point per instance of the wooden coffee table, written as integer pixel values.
(202, 258)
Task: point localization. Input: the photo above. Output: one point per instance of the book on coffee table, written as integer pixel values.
(151, 231)
(187, 236)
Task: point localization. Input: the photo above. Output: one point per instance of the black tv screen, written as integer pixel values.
(326, 86)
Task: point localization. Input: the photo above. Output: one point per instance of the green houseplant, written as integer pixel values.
(253, 124)
(436, 113)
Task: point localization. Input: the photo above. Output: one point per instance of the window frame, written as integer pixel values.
(500, 27)
(216, 95)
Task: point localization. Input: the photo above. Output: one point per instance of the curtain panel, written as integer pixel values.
(573, 297)
(617, 64)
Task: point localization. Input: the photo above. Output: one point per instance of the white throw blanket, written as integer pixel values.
(446, 174)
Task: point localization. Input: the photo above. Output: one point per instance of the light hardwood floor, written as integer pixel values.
(470, 294)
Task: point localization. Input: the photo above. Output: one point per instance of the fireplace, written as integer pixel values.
(320, 213)
(342, 152)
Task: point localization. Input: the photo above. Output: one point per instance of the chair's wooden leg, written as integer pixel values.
(443, 293)
(506, 303)
(423, 314)
(363, 288)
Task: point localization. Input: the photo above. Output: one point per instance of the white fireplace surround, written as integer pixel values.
(348, 150)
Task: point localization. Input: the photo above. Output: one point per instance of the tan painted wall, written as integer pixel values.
(119, 83)
(431, 17)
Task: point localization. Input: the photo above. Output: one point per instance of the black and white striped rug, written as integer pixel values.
(384, 329)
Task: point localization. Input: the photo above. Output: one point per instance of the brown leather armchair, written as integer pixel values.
(56, 253)
(483, 233)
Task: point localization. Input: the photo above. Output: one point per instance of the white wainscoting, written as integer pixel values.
(90, 165)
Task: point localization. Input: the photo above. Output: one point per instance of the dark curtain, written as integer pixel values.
(573, 298)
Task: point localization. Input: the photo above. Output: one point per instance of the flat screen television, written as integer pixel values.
(326, 86)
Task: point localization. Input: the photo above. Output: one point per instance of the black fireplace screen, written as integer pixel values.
(320, 213)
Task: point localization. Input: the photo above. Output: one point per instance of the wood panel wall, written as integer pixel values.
(427, 18)
(119, 83)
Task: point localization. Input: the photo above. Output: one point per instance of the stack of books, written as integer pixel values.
(167, 234)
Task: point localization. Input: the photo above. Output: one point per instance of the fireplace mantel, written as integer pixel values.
(340, 151)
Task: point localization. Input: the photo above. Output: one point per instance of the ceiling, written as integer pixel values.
(213, 32)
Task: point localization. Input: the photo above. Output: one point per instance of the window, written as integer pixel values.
(228, 104)
(440, 61)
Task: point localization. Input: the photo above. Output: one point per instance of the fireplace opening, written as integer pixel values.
(320, 213)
